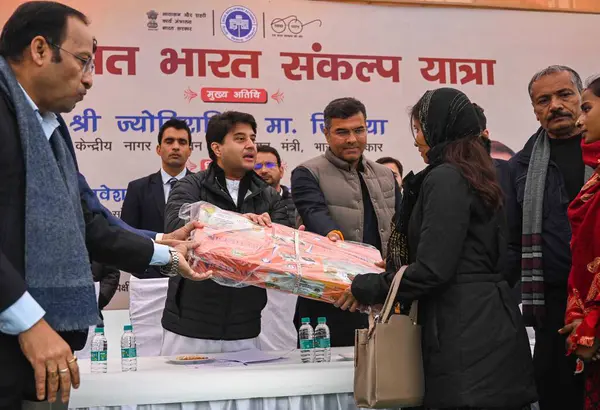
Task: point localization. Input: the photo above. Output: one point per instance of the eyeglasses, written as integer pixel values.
(88, 63)
(268, 165)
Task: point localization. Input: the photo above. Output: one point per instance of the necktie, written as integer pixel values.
(172, 182)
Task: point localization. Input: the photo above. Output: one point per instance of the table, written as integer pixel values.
(283, 385)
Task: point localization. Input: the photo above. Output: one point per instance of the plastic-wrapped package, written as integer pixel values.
(242, 253)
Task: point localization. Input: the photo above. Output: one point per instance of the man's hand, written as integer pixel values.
(262, 220)
(182, 233)
(52, 360)
(185, 270)
(380, 265)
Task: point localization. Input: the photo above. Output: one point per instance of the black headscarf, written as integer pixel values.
(445, 115)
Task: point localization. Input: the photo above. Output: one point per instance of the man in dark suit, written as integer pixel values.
(144, 208)
(48, 234)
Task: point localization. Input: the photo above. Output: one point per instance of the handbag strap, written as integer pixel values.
(390, 300)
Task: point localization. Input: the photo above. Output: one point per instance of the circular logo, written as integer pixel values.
(239, 24)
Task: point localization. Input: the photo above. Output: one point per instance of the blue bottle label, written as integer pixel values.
(128, 353)
(307, 344)
(99, 356)
(323, 343)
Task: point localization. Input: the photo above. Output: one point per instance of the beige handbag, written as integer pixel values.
(388, 364)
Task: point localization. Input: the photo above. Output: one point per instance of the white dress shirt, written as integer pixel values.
(166, 178)
(233, 186)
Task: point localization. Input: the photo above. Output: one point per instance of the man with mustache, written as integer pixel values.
(545, 177)
(344, 196)
(144, 208)
(49, 232)
(212, 318)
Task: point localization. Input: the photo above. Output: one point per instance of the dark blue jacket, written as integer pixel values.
(556, 230)
(90, 197)
(503, 174)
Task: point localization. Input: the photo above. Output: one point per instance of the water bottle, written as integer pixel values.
(128, 350)
(306, 336)
(322, 341)
(99, 351)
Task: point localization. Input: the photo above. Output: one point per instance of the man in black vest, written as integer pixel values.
(344, 196)
(208, 317)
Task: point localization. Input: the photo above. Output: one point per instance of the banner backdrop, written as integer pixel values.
(284, 60)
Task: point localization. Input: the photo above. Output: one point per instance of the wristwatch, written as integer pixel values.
(172, 268)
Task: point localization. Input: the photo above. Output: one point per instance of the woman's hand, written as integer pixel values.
(347, 302)
(587, 354)
(568, 330)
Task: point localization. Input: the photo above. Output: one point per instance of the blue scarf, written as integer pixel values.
(57, 266)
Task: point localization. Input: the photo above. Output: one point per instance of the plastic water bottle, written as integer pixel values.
(128, 350)
(322, 341)
(99, 351)
(306, 336)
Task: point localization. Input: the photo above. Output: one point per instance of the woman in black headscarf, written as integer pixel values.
(451, 234)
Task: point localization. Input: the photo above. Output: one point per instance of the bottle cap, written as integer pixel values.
(305, 320)
(127, 327)
(322, 320)
(99, 330)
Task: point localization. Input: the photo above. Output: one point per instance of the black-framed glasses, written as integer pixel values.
(88, 63)
(268, 165)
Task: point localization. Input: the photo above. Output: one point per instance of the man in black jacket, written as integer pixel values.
(46, 63)
(207, 317)
(551, 163)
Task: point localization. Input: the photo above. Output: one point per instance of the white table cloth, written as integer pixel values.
(282, 385)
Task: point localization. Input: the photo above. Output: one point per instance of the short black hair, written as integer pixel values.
(267, 149)
(37, 18)
(221, 124)
(390, 160)
(343, 108)
(497, 146)
(178, 125)
(480, 116)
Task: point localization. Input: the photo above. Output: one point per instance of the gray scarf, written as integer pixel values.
(532, 270)
(57, 266)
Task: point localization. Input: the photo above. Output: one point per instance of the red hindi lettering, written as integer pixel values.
(333, 63)
(117, 55)
(170, 64)
(476, 74)
(440, 64)
(215, 66)
(248, 58)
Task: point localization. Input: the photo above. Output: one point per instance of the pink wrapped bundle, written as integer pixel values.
(241, 253)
